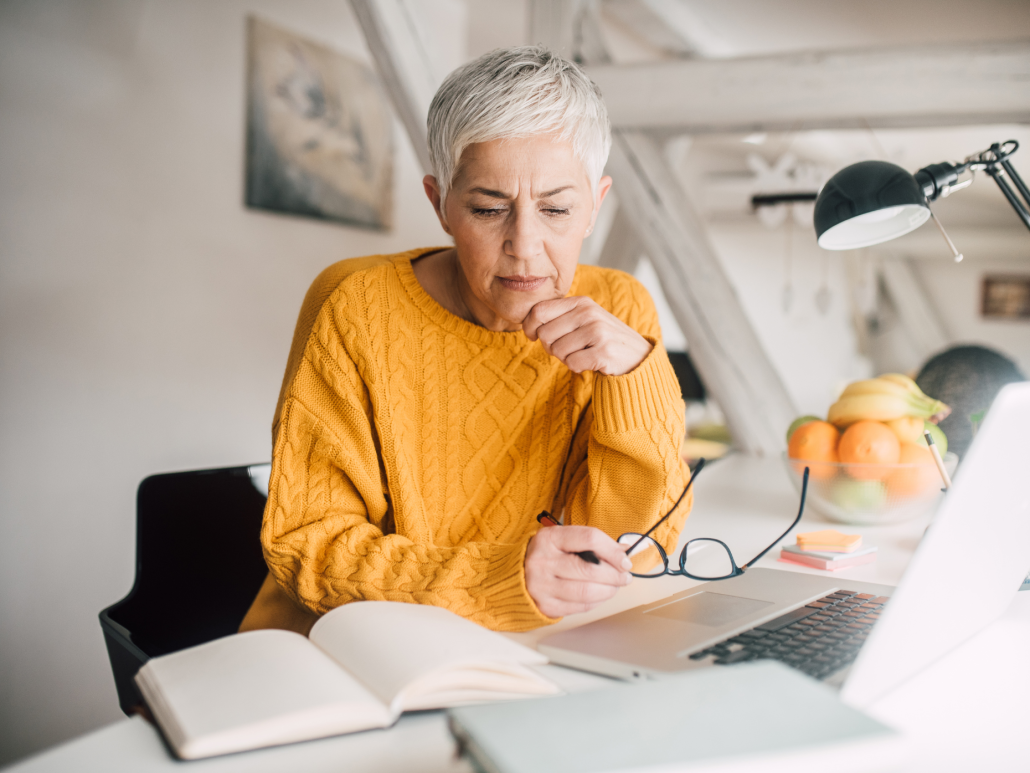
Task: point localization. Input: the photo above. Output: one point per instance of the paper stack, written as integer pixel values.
(829, 550)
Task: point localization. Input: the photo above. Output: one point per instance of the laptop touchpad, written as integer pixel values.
(707, 608)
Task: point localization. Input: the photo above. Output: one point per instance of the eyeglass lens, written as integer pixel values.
(716, 563)
(648, 558)
(707, 559)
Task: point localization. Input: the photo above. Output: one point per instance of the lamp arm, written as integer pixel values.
(937, 179)
(1019, 206)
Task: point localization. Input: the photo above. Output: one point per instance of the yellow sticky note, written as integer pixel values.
(829, 540)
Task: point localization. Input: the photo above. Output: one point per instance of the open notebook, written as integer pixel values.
(362, 666)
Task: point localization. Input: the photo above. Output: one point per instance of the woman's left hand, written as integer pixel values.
(585, 337)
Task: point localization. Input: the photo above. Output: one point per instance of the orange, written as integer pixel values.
(816, 442)
(915, 481)
(872, 443)
(909, 429)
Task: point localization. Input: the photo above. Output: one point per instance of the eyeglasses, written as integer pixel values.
(720, 565)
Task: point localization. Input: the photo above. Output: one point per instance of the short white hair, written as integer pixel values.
(513, 93)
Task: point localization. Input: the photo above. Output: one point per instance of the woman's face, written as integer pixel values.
(518, 211)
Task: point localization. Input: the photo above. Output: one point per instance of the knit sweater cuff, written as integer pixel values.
(635, 399)
(508, 599)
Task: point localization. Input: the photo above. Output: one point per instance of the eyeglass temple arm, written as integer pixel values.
(700, 466)
(801, 509)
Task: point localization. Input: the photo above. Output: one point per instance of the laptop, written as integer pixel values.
(865, 638)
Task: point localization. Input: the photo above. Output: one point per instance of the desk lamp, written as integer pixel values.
(874, 201)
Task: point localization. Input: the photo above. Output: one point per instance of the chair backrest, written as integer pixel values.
(198, 566)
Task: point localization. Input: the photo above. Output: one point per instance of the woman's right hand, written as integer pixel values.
(560, 582)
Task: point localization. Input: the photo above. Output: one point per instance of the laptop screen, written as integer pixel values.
(969, 564)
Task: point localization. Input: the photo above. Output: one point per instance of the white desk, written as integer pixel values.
(964, 713)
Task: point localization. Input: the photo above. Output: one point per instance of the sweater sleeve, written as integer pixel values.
(627, 471)
(327, 532)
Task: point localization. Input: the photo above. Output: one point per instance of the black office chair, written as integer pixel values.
(198, 567)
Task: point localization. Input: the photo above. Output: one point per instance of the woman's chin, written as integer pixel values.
(514, 310)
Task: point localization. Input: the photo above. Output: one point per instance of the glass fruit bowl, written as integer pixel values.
(870, 494)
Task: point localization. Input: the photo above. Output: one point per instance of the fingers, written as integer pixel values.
(576, 539)
(572, 568)
(561, 582)
(585, 336)
(585, 593)
(545, 311)
(566, 597)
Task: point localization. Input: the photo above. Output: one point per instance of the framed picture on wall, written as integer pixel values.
(319, 132)
(1006, 297)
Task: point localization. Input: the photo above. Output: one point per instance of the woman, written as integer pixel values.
(437, 400)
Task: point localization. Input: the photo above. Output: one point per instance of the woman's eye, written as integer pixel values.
(555, 212)
(487, 211)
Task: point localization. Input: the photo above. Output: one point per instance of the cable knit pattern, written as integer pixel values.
(413, 450)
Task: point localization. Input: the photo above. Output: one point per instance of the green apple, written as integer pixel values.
(855, 495)
(797, 423)
(939, 438)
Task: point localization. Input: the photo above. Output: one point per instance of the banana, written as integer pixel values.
(903, 380)
(876, 386)
(875, 407)
(940, 410)
(895, 385)
(883, 407)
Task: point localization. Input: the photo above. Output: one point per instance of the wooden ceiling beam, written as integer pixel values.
(882, 88)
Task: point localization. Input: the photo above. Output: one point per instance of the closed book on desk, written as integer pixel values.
(364, 664)
(749, 717)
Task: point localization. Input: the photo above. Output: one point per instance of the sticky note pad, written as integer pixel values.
(827, 555)
(833, 565)
(829, 540)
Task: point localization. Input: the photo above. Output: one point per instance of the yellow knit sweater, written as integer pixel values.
(413, 450)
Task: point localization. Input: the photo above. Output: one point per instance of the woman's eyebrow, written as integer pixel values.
(556, 191)
(500, 195)
(491, 193)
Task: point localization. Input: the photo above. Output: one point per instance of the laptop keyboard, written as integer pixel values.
(818, 639)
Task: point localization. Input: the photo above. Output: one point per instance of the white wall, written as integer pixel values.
(815, 353)
(145, 315)
(955, 292)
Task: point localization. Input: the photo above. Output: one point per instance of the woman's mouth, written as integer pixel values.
(522, 283)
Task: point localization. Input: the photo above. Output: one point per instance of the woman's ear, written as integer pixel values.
(432, 188)
(603, 186)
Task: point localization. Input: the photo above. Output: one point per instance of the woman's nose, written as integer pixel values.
(524, 238)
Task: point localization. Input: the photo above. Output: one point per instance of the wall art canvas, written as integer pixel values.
(1006, 297)
(319, 131)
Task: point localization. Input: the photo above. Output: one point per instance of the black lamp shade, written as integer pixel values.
(868, 203)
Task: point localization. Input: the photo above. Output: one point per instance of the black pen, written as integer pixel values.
(546, 519)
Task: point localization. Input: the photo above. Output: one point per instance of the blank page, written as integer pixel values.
(391, 646)
(252, 690)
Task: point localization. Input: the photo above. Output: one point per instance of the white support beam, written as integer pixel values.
(913, 307)
(884, 88)
(404, 64)
(690, 26)
(591, 44)
(622, 247)
(722, 343)
(646, 22)
(553, 23)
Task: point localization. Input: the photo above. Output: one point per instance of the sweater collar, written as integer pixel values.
(445, 319)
